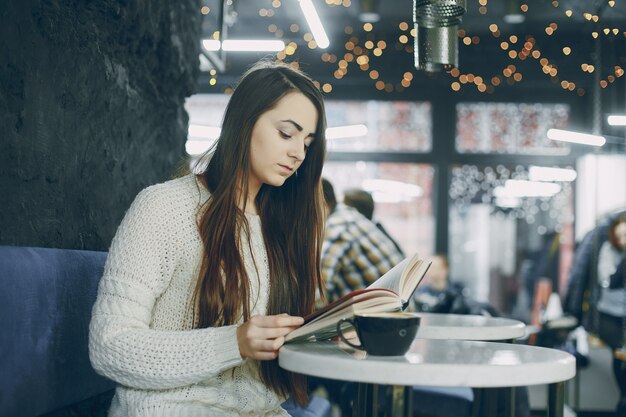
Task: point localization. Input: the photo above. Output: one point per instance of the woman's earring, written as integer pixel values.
(296, 173)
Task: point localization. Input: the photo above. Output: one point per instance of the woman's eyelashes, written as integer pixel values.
(286, 136)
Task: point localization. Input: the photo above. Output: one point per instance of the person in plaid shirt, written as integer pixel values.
(355, 252)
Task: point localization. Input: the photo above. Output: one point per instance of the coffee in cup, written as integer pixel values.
(382, 334)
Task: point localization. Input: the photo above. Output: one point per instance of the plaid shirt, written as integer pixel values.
(355, 252)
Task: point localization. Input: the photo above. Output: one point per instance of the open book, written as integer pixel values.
(391, 292)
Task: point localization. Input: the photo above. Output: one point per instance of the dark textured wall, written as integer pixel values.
(91, 111)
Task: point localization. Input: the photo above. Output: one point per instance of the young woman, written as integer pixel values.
(207, 273)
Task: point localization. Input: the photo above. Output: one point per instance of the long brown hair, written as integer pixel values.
(291, 217)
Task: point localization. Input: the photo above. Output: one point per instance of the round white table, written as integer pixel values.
(446, 363)
(468, 327)
(480, 328)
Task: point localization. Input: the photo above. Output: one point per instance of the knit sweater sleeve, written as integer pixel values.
(142, 260)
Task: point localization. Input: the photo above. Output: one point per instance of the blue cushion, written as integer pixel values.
(443, 401)
(45, 308)
(317, 407)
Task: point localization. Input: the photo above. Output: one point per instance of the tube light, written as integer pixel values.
(249, 45)
(521, 188)
(536, 173)
(514, 18)
(508, 202)
(203, 132)
(576, 137)
(349, 131)
(389, 191)
(617, 120)
(315, 24)
(200, 138)
(197, 147)
(513, 14)
(205, 64)
(244, 45)
(211, 44)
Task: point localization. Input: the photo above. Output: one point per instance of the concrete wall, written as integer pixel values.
(91, 111)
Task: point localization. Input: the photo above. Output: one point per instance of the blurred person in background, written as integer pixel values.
(364, 203)
(355, 252)
(612, 304)
(438, 294)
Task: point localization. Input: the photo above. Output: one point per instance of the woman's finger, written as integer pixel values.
(267, 345)
(277, 321)
(269, 332)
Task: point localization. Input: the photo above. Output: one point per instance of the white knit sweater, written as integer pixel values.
(141, 333)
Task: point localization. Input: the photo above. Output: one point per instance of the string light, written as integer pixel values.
(356, 53)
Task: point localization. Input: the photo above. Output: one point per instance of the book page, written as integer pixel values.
(392, 278)
(414, 274)
(403, 278)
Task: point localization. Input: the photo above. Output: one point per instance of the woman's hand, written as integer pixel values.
(260, 337)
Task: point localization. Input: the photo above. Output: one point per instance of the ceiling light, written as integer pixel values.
(198, 147)
(521, 188)
(200, 138)
(508, 202)
(389, 191)
(576, 137)
(243, 45)
(369, 17)
(514, 14)
(349, 131)
(203, 132)
(436, 41)
(211, 44)
(514, 18)
(369, 11)
(536, 173)
(617, 120)
(205, 64)
(315, 24)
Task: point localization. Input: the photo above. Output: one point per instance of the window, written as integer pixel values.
(391, 125)
(506, 232)
(511, 128)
